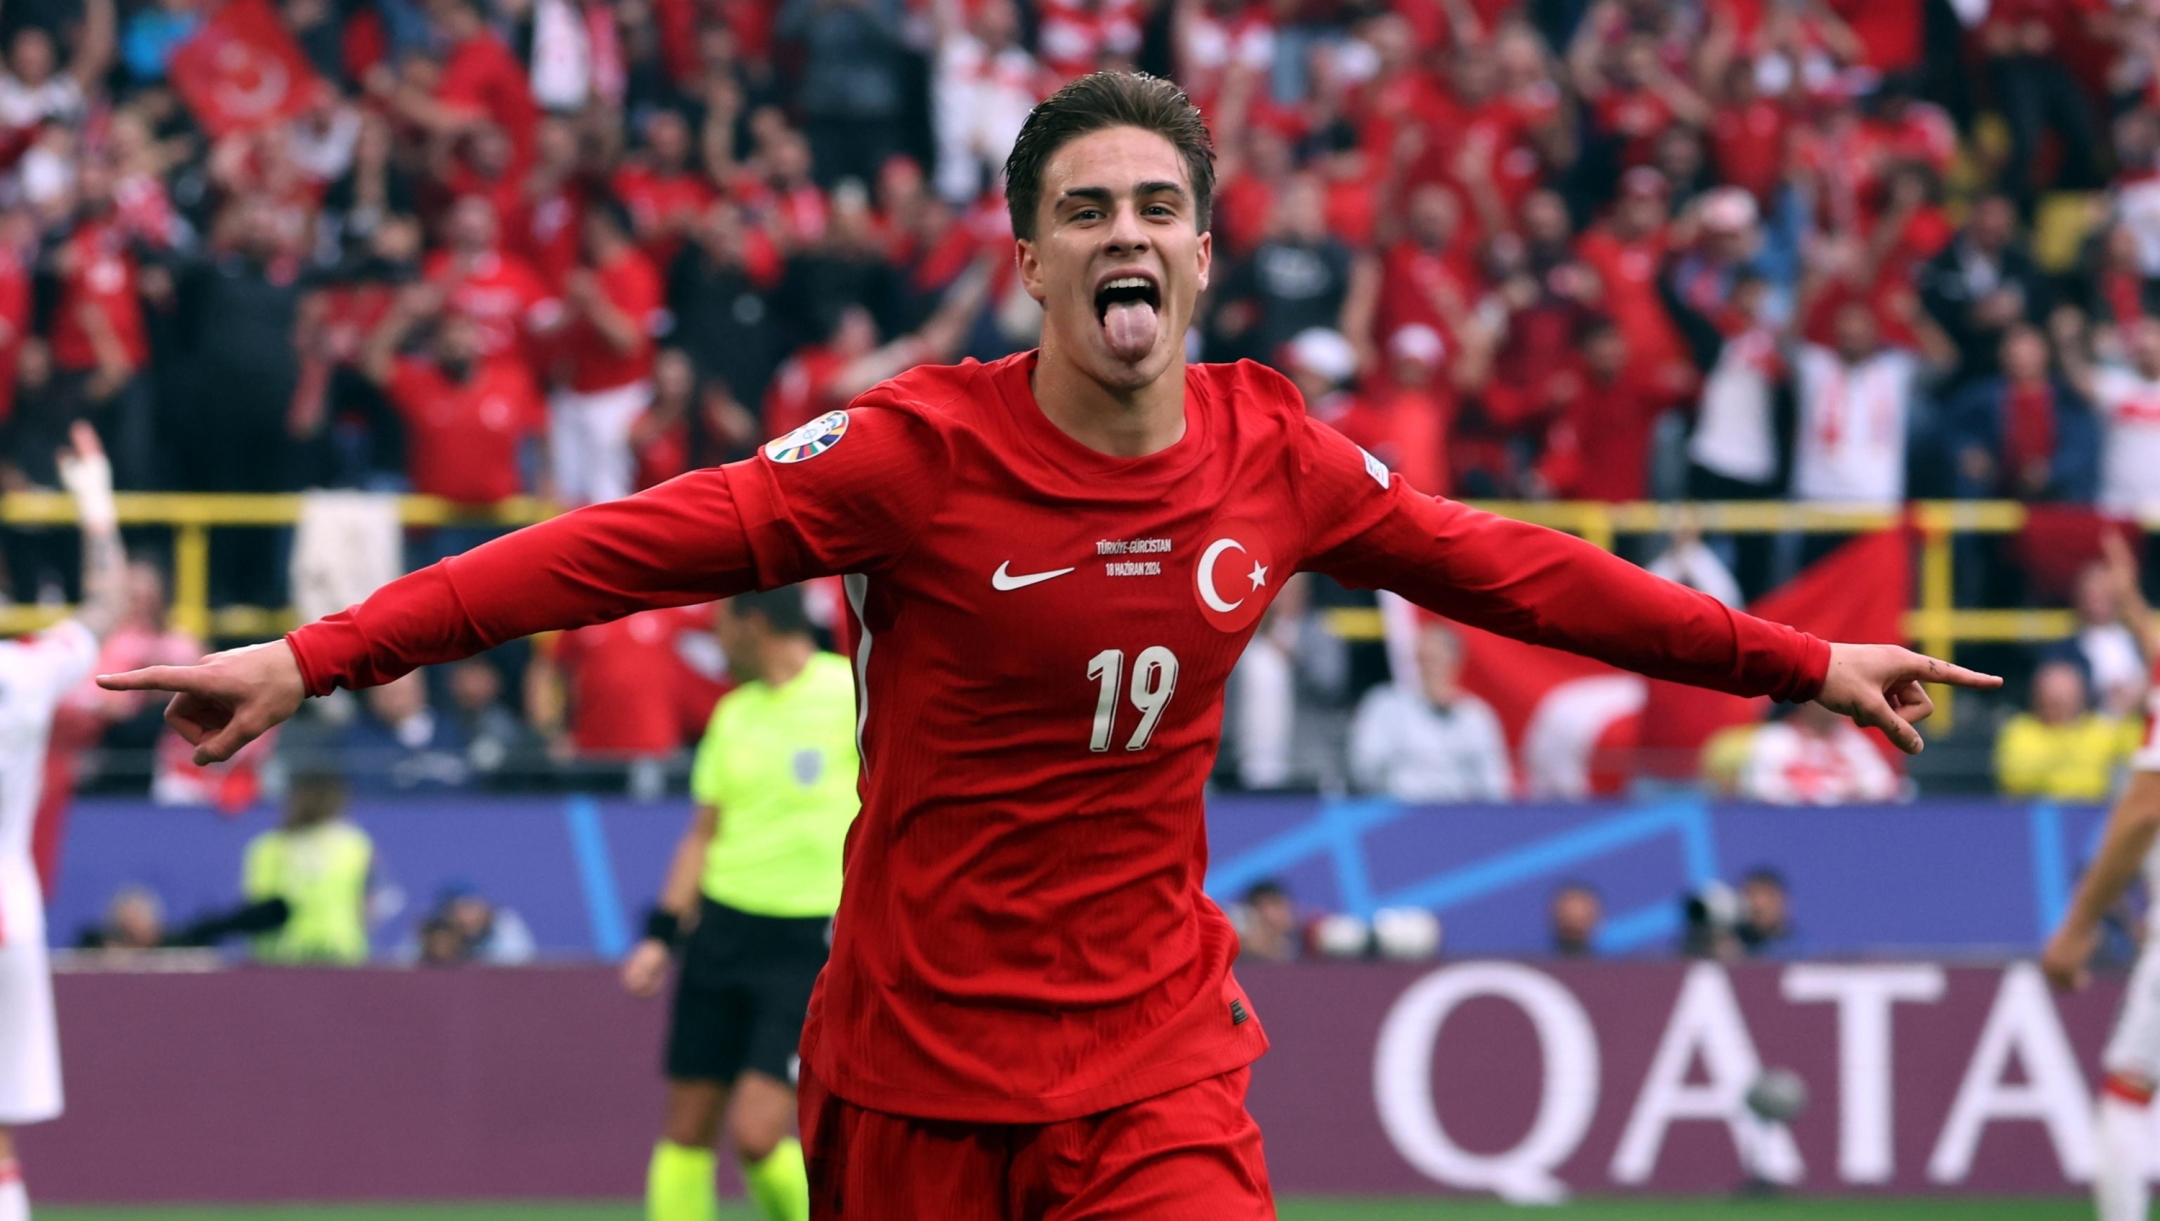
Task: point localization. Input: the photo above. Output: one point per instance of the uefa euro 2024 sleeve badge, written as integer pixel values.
(810, 440)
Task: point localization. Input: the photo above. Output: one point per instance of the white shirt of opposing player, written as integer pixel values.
(35, 674)
(1404, 746)
(1852, 425)
(2130, 446)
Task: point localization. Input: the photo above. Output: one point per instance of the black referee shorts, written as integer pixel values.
(743, 993)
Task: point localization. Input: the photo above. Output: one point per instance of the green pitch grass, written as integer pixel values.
(1291, 1210)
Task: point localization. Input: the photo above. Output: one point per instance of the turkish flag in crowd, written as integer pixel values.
(242, 69)
(1582, 728)
(1857, 594)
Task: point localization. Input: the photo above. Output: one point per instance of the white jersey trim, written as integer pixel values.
(857, 585)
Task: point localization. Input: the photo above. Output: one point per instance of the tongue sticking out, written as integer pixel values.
(1130, 328)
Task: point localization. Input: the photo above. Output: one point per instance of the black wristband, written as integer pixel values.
(663, 926)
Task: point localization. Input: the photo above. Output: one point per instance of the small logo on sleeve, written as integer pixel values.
(810, 440)
(1375, 467)
(1238, 1016)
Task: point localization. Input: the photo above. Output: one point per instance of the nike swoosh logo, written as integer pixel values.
(1004, 581)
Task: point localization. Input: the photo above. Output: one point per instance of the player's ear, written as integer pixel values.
(1030, 267)
(1207, 257)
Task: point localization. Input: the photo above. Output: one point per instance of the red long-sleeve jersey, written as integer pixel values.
(1045, 634)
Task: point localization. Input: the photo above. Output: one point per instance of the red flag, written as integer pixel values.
(242, 70)
(1858, 594)
(1573, 723)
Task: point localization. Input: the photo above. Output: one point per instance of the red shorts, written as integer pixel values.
(1193, 1152)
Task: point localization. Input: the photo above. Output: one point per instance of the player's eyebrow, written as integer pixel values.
(1102, 196)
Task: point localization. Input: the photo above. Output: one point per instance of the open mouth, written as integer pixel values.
(1126, 290)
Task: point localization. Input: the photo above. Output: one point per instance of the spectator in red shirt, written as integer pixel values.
(481, 162)
(1626, 250)
(1748, 135)
(493, 287)
(467, 418)
(663, 188)
(638, 688)
(100, 349)
(1545, 288)
(481, 81)
(1599, 449)
(616, 307)
(661, 437)
(1413, 416)
(546, 219)
(1634, 97)
(1426, 278)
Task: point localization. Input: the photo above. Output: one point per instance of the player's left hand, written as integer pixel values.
(1880, 685)
(2064, 959)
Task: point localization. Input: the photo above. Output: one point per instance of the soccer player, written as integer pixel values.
(756, 879)
(2131, 1059)
(1052, 562)
(35, 672)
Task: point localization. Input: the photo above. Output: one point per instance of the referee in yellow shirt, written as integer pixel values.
(750, 897)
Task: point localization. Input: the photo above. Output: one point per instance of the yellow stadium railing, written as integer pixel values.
(191, 517)
(1935, 624)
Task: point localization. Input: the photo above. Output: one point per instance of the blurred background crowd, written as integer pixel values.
(1849, 252)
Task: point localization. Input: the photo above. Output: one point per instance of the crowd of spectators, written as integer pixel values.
(1825, 250)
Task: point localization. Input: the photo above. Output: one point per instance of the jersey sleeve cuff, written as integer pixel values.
(1814, 667)
(325, 651)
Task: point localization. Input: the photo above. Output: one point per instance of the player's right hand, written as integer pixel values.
(645, 970)
(226, 700)
(2064, 959)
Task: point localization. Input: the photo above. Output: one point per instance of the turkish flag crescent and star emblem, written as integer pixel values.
(1235, 577)
(242, 70)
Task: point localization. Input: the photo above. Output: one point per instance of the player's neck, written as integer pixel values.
(1122, 424)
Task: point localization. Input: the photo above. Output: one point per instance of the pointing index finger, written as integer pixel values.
(1936, 670)
(152, 678)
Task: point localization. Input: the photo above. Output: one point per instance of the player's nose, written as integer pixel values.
(1127, 235)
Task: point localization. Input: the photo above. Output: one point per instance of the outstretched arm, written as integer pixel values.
(2131, 830)
(705, 535)
(1548, 588)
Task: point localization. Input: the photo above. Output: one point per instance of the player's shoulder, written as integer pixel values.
(1251, 382)
(1252, 396)
(942, 396)
(928, 405)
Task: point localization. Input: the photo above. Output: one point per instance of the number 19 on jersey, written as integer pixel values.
(1154, 681)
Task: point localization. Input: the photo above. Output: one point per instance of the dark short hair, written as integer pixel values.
(781, 609)
(1102, 100)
